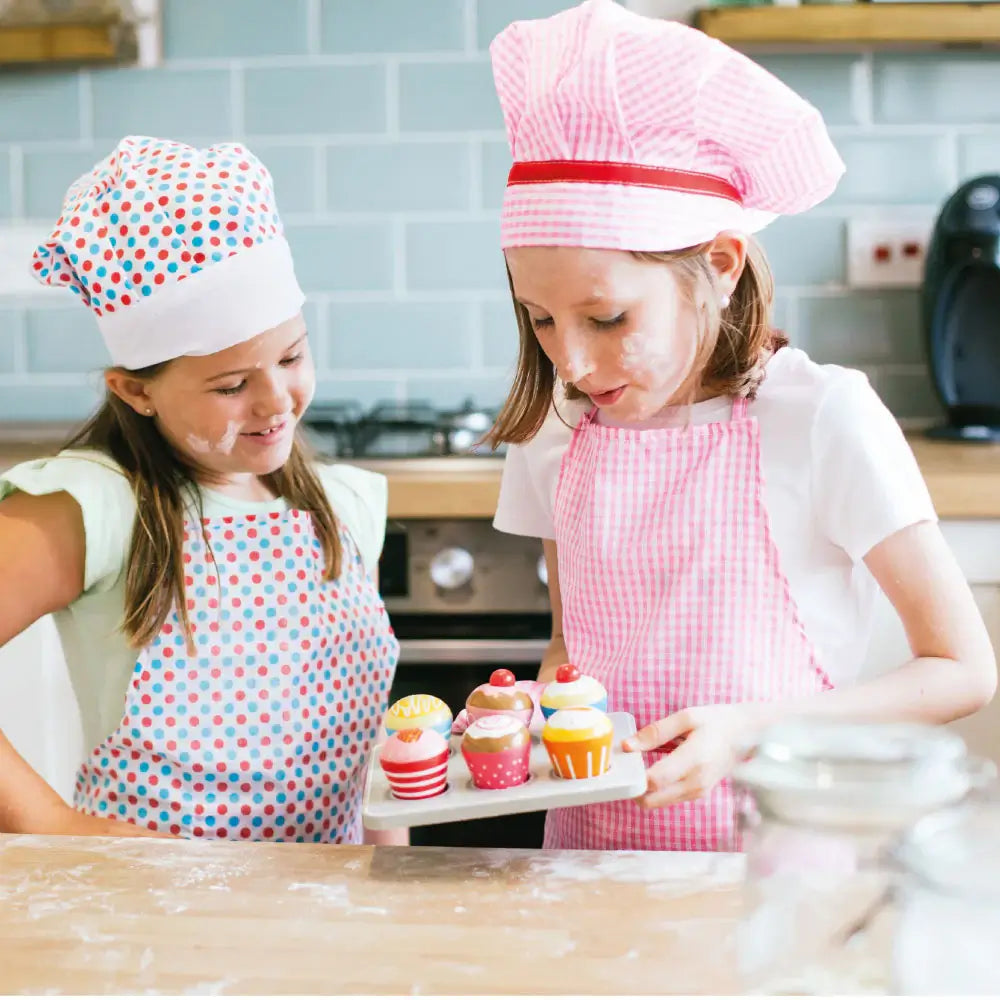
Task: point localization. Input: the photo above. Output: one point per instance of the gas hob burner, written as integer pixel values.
(399, 430)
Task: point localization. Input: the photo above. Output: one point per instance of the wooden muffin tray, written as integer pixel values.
(625, 779)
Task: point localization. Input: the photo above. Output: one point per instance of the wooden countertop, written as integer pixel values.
(82, 915)
(964, 479)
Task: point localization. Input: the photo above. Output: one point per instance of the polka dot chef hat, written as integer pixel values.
(178, 251)
(635, 133)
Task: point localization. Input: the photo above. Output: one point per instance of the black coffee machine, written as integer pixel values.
(961, 310)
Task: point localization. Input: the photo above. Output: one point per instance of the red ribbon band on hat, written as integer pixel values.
(628, 174)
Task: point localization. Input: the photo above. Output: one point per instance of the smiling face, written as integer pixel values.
(231, 415)
(620, 329)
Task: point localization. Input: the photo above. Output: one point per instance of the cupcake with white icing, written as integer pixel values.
(571, 689)
(496, 749)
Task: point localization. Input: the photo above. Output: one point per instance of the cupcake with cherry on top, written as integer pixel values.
(571, 689)
(500, 697)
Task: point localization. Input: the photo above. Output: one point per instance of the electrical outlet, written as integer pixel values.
(888, 252)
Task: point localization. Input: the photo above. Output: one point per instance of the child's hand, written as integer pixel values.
(709, 740)
(74, 823)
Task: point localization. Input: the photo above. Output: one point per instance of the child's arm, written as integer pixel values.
(953, 672)
(555, 654)
(42, 555)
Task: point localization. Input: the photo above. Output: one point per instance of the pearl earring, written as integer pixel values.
(724, 302)
(149, 411)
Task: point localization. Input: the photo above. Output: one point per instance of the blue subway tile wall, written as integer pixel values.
(379, 122)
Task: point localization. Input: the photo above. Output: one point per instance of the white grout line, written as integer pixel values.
(320, 60)
(21, 344)
(314, 24)
(470, 26)
(308, 219)
(477, 335)
(862, 90)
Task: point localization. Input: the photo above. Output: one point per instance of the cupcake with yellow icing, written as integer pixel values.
(419, 711)
(571, 689)
(578, 741)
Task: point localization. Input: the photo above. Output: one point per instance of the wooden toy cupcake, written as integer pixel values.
(415, 762)
(579, 742)
(571, 689)
(419, 711)
(496, 749)
(500, 697)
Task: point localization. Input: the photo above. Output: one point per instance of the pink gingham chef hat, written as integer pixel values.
(176, 250)
(633, 133)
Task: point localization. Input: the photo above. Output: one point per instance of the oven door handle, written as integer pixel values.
(472, 650)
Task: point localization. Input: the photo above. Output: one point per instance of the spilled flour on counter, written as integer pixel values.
(334, 895)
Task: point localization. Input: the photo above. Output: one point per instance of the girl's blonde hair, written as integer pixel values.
(733, 343)
(161, 484)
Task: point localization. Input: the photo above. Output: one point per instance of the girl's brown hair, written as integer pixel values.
(162, 483)
(733, 346)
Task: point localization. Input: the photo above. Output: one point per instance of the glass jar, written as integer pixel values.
(948, 930)
(821, 807)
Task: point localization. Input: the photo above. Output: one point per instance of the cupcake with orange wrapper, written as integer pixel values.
(571, 689)
(419, 711)
(496, 749)
(415, 762)
(579, 742)
(500, 697)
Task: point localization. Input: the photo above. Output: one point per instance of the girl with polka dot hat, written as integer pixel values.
(718, 511)
(214, 588)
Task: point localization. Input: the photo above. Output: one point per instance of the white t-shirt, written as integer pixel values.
(98, 657)
(839, 477)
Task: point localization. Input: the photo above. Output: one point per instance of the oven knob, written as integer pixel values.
(543, 571)
(451, 568)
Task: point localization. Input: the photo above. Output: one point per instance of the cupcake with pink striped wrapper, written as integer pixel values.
(415, 762)
(496, 749)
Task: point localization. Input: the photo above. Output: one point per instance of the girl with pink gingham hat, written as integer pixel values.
(717, 510)
(215, 588)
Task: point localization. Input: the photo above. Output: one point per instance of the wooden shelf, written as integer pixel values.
(857, 23)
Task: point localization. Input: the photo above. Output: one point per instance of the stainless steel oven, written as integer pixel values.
(465, 600)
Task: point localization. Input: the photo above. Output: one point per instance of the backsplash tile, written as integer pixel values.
(454, 255)
(448, 96)
(874, 176)
(37, 106)
(342, 257)
(399, 177)
(865, 329)
(234, 28)
(392, 25)
(380, 124)
(823, 79)
(64, 340)
(945, 88)
(170, 103)
(400, 335)
(308, 100)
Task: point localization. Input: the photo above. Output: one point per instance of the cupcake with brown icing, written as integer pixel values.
(497, 749)
(500, 697)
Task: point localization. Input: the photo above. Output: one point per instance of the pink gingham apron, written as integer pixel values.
(263, 734)
(672, 596)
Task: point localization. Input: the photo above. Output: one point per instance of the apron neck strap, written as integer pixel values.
(740, 404)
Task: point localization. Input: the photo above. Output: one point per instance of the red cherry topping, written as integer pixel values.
(502, 679)
(566, 673)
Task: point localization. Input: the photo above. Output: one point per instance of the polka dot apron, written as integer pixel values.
(265, 732)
